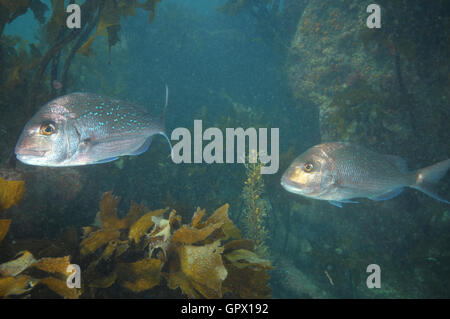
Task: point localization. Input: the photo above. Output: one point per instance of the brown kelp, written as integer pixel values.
(22, 274)
(24, 271)
(145, 253)
(59, 43)
(11, 193)
(205, 259)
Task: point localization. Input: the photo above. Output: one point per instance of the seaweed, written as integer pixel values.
(11, 193)
(143, 252)
(157, 248)
(4, 226)
(256, 208)
(19, 276)
(27, 71)
(25, 271)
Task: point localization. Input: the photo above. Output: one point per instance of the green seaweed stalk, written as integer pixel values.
(256, 208)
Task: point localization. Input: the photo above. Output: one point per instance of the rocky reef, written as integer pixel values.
(374, 86)
(387, 89)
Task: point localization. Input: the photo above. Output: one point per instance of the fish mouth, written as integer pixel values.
(30, 152)
(291, 187)
(30, 156)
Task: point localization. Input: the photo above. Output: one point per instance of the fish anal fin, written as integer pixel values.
(338, 203)
(388, 195)
(335, 203)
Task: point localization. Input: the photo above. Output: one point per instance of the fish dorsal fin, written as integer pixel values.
(398, 162)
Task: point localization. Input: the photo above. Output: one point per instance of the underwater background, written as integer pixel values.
(311, 68)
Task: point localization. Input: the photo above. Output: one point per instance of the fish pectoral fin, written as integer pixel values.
(144, 147)
(335, 203)
(107, 160)
(340, 202)
(388, 195)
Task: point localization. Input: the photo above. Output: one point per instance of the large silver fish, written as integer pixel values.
(84, 128)
(338, 172)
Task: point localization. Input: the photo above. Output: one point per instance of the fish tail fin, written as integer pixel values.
(427, 178)
(163, 120)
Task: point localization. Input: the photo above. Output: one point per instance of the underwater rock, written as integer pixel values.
(333, 61)
(62, 185)
(360, 78)
(395, 122)
(297, 282)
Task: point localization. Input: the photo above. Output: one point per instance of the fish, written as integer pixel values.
(86, 128)
(339, 172)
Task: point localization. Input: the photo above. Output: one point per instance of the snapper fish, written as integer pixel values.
(84, 128)
(339, 172)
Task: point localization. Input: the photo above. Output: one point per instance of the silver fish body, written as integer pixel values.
(84, 128)
(339, 172)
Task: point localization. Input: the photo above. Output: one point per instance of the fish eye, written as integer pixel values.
(47, 129)
(308, 167)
